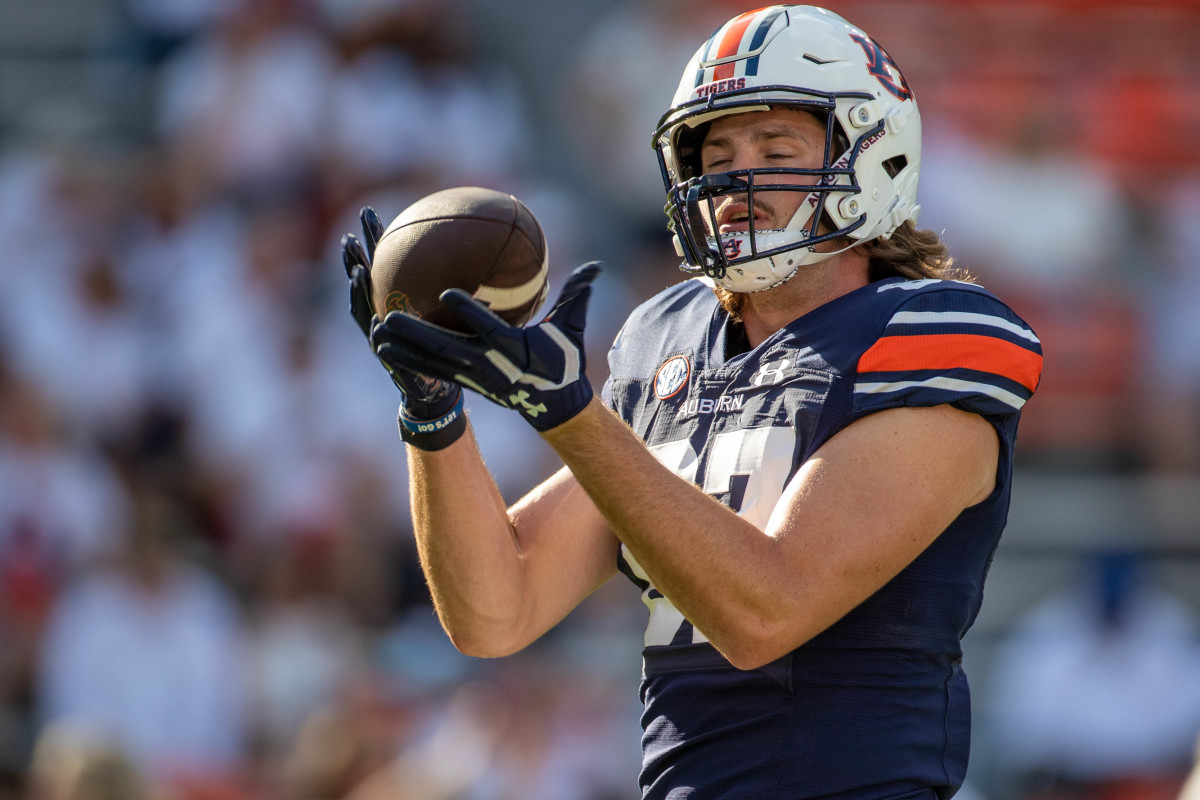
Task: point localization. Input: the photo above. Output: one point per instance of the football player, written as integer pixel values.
(802, 456)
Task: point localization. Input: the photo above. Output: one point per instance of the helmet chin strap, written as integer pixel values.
(797, 226)
(773, 266)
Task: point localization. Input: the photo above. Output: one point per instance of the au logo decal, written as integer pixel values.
(671, 377)
(880, 64)
(398, 301)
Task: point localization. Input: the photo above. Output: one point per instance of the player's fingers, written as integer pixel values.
(472, 313)
(360, 299)
(353, 254)
(360, 279)
(585, 273)
(571, 308)
(579, 281)
(401, 358)
(372, 229)
(399, 326)
(400, 329)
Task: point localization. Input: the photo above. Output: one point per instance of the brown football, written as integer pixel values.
(485, 242)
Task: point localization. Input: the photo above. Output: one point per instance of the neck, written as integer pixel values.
(811, 287)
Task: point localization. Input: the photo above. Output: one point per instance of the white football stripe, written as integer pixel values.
(948, 384)
(499, 299)
(950, 317)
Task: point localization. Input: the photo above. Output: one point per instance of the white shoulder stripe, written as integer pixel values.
(947, 317)
(947, 384)
(909, 286)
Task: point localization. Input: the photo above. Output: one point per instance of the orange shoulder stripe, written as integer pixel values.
(953, 351)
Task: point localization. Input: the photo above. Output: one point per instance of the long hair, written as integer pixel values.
(909, 253)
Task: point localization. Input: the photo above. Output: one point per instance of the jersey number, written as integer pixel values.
(763, 456)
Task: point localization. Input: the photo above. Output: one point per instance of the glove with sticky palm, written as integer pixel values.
(538, 370)
(431, 410)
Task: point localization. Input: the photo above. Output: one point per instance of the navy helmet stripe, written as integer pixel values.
(760, 34)
(708, 46)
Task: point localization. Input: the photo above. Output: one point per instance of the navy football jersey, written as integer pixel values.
(876, 705)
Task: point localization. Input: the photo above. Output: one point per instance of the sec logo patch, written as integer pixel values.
(671, 377)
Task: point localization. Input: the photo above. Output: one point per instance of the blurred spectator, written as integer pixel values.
(74, 763)
(1051, 230)
(434, 126)
(246, 107)
(66, 302)
(148, 652)
(1029, 211)
(304, 648)
(1095, 694)
(414, 102)
(621, 82)
(525, 731)
(1171, 423)
(161, 26)
(59, 499)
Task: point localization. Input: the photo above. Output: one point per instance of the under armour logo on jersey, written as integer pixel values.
(522, 397)
(770, 373)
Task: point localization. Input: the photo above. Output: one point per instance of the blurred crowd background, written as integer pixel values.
(207, 584)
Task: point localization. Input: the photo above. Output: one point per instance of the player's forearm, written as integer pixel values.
(467, 547)
(720, 571)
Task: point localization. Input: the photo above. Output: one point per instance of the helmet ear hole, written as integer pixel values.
(841, 142)
(688, 142)
(895, 165)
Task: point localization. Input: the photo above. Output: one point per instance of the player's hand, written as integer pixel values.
(430, 409)
(538, 370)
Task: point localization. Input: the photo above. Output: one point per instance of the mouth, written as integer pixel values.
(734, 217)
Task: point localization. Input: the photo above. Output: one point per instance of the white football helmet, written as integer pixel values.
(811, 59)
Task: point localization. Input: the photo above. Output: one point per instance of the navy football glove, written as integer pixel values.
(431, 410)
(539, 370)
